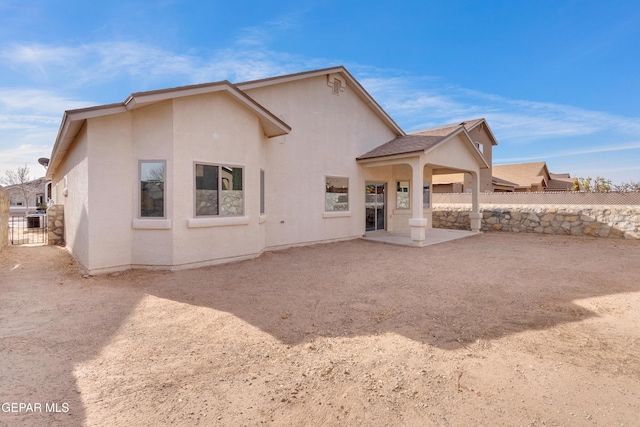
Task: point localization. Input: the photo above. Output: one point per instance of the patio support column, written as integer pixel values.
(417, 223)
(475, 217)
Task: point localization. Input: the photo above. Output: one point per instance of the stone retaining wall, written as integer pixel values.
(55, 225)
(599, 221)
(561, 198)
(4, 219)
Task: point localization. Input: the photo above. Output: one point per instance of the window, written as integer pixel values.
(480, 147)
(337, 194)
(425, 195)
(402, 195)
(219, 190)
(152, 179)
(261, 192)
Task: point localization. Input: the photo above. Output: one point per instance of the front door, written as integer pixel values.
(374, 203)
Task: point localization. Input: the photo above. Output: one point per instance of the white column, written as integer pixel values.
(475, 217)
(417, 223)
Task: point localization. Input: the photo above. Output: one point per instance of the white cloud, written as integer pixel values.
(37, 102)
(570, 153)
(23, 154)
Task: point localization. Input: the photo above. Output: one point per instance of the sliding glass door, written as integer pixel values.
(374, 204)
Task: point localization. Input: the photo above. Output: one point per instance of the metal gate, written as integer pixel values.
(30, 229)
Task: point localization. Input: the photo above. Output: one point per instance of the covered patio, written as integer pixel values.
(406, 165)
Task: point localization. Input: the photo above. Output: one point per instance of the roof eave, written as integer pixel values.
(72, 122)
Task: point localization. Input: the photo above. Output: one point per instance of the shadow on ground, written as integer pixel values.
(52, 320)
(446, 295)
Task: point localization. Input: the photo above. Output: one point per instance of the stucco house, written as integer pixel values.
(218, 172)
(35, 197)
(484, 139)
(532, 176)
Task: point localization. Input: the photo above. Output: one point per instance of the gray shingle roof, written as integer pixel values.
(404, 144)
(418, 141)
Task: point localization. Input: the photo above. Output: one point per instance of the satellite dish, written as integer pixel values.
(43, 161)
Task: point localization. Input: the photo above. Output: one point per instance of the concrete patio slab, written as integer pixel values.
(434, 236)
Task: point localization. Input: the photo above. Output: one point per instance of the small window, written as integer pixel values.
(337, 194)
(152, 197)
(425, 195)
(402, 195)
(261, 192)
(219, 190)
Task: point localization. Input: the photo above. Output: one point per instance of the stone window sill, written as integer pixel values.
(217, 222)
(152, 224)
(336, 214)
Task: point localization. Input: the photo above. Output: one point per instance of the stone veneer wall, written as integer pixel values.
(232, 202)
(612, 221)
(4, 218)
(55, 225)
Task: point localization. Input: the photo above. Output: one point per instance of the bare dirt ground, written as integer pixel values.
(498, 329)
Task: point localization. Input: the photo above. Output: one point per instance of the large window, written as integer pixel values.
(219, 190)
(152, 179)
(402, 195)
(337, 194)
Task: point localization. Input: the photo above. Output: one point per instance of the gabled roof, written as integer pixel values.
(73, 120)
(423, 142)
(468, 125)
(560, 182)
(349, 80)
(524, 175)
(36, 183)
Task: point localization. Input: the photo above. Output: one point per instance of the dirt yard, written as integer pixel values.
(493, 330)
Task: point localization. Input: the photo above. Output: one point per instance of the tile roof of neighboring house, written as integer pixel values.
(423, 140)
(524, 175)
(559, 182)
(36, 183)
(503, 182)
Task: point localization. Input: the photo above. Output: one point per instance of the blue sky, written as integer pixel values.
(558, 81)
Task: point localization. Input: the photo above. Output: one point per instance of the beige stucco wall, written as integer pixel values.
(328, 133)
(76, 200)
(152, 134)
(216, 129)
(479, 134)
(110, 198)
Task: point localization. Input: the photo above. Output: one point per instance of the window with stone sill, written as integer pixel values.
(152, 188)
(337, 194)
(218, 190)
(402, 195)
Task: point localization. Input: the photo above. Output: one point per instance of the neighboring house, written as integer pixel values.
(35, 191)
(218, 172)
(559, 182)
(483, 138)
(533, 176)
